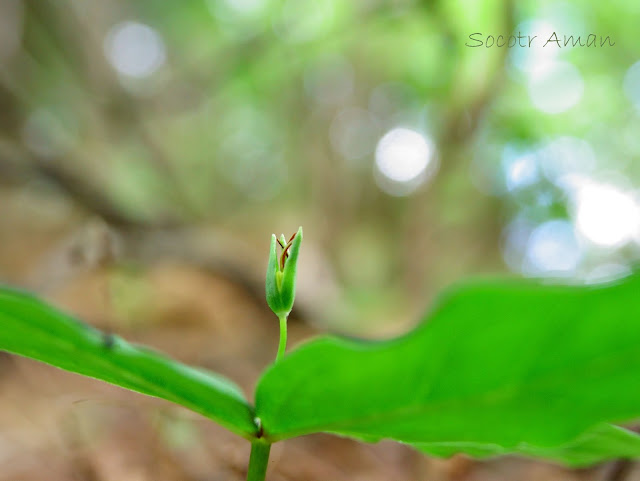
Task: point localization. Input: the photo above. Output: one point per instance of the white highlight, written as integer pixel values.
(134, 49)
(402, 155)
(606, 215)
(556, 87)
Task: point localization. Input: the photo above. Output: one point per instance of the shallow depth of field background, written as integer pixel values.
(149, 149)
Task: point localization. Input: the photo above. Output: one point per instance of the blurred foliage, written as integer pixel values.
(246, 117)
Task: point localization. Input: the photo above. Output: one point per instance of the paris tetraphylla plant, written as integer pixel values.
(281, 293)
(486, 393)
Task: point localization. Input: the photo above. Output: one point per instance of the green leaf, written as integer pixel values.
(598, 444)
(495, 363)
(31, 328)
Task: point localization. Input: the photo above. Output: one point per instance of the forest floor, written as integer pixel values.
(59, 426)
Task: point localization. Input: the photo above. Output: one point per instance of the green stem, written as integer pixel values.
(283, 337)
(258, 460)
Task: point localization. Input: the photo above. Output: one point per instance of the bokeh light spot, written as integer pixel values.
(606, 215)
(553, 250)
(134, 49)
(565, 156)
(531, 60)
(405, 158)
(556, 88)
(520, 169)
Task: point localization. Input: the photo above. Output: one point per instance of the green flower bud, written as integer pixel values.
(281, 273)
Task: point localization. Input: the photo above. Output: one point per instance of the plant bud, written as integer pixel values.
(281, 273)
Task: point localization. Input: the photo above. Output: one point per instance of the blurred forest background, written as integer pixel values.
(149, 149)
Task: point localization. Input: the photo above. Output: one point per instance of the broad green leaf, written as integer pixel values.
(496, 363)
(31, 328)
(598, 444)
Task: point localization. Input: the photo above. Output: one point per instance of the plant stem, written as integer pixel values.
(283, 337)
(258, 460)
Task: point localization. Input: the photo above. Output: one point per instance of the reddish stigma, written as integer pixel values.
(285, 250)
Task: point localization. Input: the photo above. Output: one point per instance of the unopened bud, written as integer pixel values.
(281, 273)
